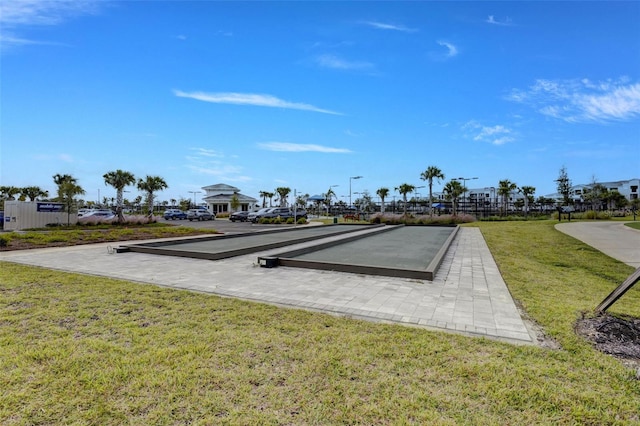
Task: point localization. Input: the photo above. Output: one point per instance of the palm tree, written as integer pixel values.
(429, 175)
(382, 193)
(150, 185)
(327, 198)
(527, 191)
(33, 192)
(119, 179)
(283, 191)
(301, 201)
(265, 195)
(405, 189)
(60, 180)
(9, 192)
(505, 188)
(453, 190)
(270, 196)
(68, 188)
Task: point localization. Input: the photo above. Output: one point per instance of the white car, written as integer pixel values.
(97, 214)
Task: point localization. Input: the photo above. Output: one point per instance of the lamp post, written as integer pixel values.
(194, 196)
(416, 193)
(329, 206)
(350, 179)
(464, 187)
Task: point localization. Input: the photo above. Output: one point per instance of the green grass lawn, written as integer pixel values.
(634, 225)
(77, 349)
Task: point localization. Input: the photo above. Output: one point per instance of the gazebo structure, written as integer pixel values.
(220, 197)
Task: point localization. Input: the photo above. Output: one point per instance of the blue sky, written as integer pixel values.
(307, 94)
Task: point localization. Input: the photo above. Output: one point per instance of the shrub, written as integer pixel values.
(290, 221)
(4, 240)
(397, 219)
(302, 221)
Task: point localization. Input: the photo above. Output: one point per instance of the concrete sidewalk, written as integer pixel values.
(612, 238)
(468, 294)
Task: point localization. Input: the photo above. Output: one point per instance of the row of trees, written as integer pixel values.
(68, 189)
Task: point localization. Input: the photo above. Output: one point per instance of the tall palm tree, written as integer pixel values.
(429, 175)
(405, 189)
(283, 192)
(33, 192)
(60, 180)
(68, 188)
(150, 185)
(9, 192)
(264, 195)
(505, 188)
(382, 193)
(327, 198)
(119, 179)
(453, 190)
(527, 191)
(270, 196)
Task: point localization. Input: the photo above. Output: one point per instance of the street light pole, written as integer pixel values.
(329, 206)
(194, 196)
(417, 200)
(464, 192)
(350, 179)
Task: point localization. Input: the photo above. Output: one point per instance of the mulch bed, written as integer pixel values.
(614, 335)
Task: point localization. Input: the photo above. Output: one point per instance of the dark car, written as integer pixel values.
(173, 214)
(283, 213)
(239, 216)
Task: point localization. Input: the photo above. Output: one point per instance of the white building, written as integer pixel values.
(220, 196)
(628, 188)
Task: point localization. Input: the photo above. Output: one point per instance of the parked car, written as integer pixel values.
(254, 216)
(239, 216)
(173, 214)
(200, 214)
(96, 214)
(281, 212)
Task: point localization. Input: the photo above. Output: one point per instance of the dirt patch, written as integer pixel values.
(613, 335)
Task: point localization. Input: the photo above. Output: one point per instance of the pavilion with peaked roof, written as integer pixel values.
(219, 199)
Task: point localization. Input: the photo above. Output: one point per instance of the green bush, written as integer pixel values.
(4, 240)
(302, 221)
(397, 219)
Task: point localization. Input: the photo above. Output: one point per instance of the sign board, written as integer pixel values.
(50, 207)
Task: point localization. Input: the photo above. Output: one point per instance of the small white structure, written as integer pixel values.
(19, 215)
(219, 197)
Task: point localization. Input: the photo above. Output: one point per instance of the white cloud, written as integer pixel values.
(207, 152)
(496, 135)
(210, 162)
(16, 15)
(295, 147)
(492, 20)
(331, 61)
(582, 100)
(453, 50)
(393, 27)
(250, 99)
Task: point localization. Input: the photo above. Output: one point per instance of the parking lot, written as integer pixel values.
(225, 225)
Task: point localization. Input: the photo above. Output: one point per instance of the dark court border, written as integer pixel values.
(289, 259)
(160, 247)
